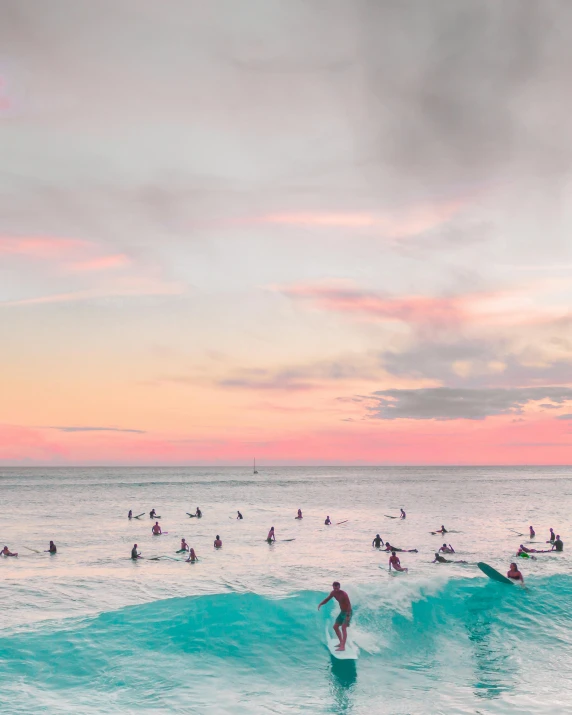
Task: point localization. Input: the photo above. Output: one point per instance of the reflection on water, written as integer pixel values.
(343, 677)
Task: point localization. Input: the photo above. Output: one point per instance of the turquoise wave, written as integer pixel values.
(217, 652)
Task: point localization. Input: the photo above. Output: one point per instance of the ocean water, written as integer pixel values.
(89, 631)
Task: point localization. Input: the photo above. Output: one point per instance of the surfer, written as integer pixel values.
(299, 514)
(156, 530)
(395, 562)
(192, 556)
(558, 544)
(6, 552)
(552, 538)
(377, 542)
(184, 547)
(442, 530)
(403, 514)
(270, 538)
(152, 514)
(514, 573)
(532, 532)
(239, 515)
(130, 515)
(344, 617)
(198, 513)
(447, 549)
(134, 553)
(217, 542)
(442, 560)
(52, 549)
(327, 522)
(389, 547)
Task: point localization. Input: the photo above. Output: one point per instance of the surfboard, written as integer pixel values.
(493, 573)
(287, 539)
(342, 522)
(350, 653)
(390, 517)
(139, 516)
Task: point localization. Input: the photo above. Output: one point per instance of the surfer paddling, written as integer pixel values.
(389, 547)
(343, 620)
(395, 562)
(442, 560)
(156, 529)
(6, 552)
(514, 574)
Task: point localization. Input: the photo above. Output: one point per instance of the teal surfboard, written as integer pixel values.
(493, 573)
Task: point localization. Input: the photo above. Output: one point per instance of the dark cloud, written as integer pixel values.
(565, 417)
(95, 429)
(444, 403)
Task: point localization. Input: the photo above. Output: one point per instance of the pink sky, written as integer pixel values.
(242, 240)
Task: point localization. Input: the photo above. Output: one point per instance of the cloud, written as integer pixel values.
(101, 263)
(94, 429)
(41, 247)
(567, 416)
(444, 403)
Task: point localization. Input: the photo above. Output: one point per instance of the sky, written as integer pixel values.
(306, 231)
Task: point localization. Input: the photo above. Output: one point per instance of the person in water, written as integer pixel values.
(442, 530)
(184, 547)
(270, 538)
(6, 552)
(198, 513)
(130, 515)
(395, 562)
(52, 549)
(156, 530)
(134, 553)
(152, 514)
(447, 549)
(327, 522)
(403, 514)
(514, 573)
(552, 538)
(389, 547)
(299, 514)
(558, 544)
(239, 515)
(343, 620)
(442, 560)
(377, 542)
(532, 533)
(192, 556)
(217, 542)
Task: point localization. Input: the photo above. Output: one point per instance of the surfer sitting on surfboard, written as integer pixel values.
(134, 553)
(344, 617)
(395, 562)
(217, 542)
(514, 573)
(403, 514)
(152, 514)
(52, 549)
(184, 546)
(442, 530)
(299, 514)
(192, 556)
(558, 544)
(377, 542)
(447, 549)
(327, 522)
(270, 538)
(130, 515)
(532, 532)
(156, 529)
(239, 515)
(6, 552)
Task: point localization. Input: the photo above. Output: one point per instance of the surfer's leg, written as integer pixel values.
(337, 630)
(344, 636)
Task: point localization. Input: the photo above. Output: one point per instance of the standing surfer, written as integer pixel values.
(344, 617)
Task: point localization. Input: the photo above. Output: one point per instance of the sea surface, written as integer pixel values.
(90, 631)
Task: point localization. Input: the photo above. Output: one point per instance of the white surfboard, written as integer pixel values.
(350, 653)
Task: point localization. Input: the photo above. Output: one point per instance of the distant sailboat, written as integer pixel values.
(254, 468)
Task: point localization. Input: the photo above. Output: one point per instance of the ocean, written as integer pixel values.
(90, 631)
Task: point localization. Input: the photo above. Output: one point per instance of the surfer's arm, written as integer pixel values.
(326, 600)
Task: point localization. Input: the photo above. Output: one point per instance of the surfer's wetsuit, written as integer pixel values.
(377, 542)
(558, 545)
